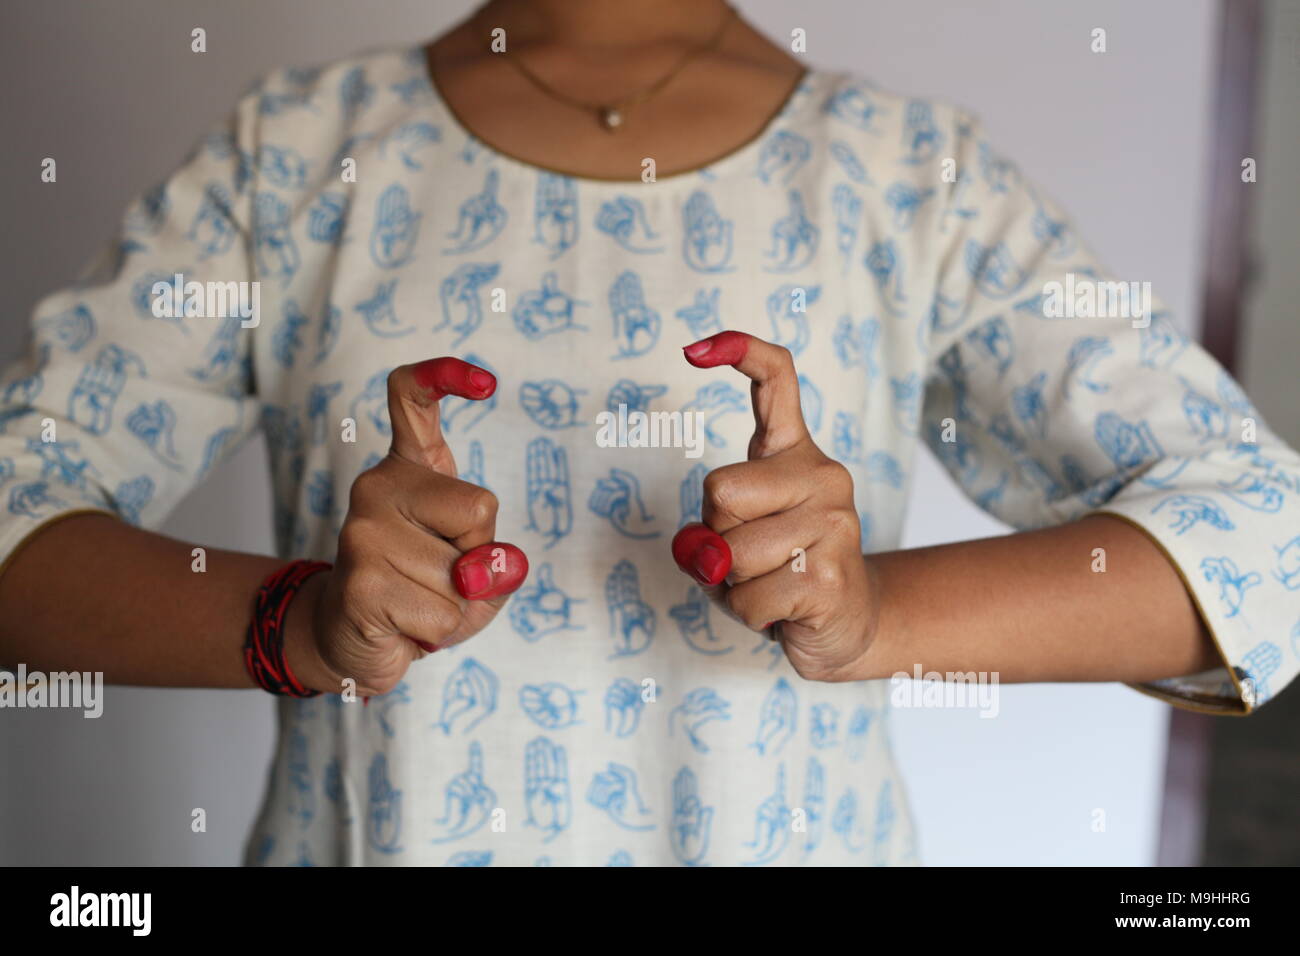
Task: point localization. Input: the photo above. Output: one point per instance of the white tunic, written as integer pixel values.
(609, 715)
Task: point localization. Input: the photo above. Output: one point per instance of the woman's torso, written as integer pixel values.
(608, 714)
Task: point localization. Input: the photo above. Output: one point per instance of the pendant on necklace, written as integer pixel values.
(611, 118)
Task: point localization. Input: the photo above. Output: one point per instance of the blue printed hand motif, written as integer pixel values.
(555, 213)
(631, 620)
(624, 219)
(98, 386)
(771, 824)
(468, 800)
(617, 497)
(777, 718)
(551, 403)
(707, 241)
(546, 787)
(614, 790)
(814, 805)
(550, 508)
(636, 325)
(462, 303)
(623, 706)
(794, 238)
(481, 218)
(699, 707)
(540, 608)
(384, 817)
(692, 618)
(468, 697)
(551, 706)
(692, 820)
(545, 311)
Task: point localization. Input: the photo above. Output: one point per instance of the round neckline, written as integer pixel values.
(786, 109)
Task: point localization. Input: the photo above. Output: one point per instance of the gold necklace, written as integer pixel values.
(612, 116)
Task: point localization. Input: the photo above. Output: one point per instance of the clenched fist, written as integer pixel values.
(417, 566)
(787, 496)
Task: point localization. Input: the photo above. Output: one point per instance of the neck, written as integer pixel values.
(604, 23)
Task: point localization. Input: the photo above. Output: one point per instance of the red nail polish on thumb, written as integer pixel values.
(445, 376)
(702, 553)
(489, 571)
(724, 348)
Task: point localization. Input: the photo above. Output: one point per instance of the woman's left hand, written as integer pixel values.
(780, 545)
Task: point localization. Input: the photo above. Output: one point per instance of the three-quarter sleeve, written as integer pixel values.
(1056, 389)
(128, 395)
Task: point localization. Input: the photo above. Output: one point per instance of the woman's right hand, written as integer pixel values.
(417, 567)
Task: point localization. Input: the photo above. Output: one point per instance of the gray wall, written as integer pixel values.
(1270, 352)
(1254, 793)
(112, 91)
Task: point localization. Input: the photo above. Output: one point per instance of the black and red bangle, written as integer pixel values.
(264, 646)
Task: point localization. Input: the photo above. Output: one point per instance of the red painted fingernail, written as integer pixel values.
(445, 376)
(472, 579)
(483, 380)
(708, 561)
(702, 553)
(695, 351)
(489, 571)
(769, 625)
(426, 646)
(725, 348)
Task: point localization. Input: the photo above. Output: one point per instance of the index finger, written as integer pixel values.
(413, 394)
(778, 417)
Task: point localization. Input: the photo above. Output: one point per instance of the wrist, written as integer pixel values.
(877, 624)
(301, 645)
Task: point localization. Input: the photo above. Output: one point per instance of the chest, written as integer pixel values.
(579, 297)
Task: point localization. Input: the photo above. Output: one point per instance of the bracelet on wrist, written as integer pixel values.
(264, 644)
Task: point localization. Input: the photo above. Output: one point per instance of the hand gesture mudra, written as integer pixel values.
(788, 499)
(418, 566)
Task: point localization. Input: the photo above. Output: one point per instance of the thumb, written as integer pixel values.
(491, 572)
(703, 554)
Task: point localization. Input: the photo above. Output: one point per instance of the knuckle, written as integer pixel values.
(742, 568)
(805, 667)
(437, 617)
(813, 670)
(367, 487)
(841, 523)
(384, 683)
(722, 491)
(354, 537)
(482, 506)
(827, 575)
(835, 478)
(363, 582)
(434, 620)
(734, 604)
(444, 618)
(396, 377)
(740, 607)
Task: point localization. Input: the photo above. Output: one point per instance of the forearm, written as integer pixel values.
(91, 593)
(1030, 607)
